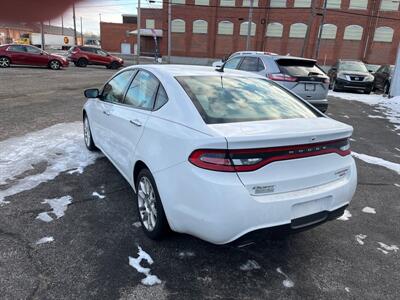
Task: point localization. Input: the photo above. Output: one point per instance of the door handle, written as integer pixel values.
(135, 122)
(106, 113)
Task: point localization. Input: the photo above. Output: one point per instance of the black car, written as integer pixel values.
(350, 75)
(383, 77)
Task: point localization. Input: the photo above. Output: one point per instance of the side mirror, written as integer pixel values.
(218, 64)
(371, 71)
(333, 69)
(92, 93)
(41, 52)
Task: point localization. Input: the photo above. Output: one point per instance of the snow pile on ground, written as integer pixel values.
(385, 249)
(360, 238)
(389, 106)
(184, 254)
(250, 265)
(378, 161)
(59, 147)
(58, 206)
(345, 217)
(288, 283)
(96, 194)
(369, 210)
(135, 262)
(44, 240)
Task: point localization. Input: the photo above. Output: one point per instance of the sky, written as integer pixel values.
(90, 10)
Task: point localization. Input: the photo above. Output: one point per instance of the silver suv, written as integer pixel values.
(300, 75)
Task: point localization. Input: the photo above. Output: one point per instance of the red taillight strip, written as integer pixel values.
(195, 158)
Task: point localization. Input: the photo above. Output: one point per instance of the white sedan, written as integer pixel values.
(219, 154)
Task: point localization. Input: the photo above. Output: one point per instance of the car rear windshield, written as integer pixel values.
(354, 66)
(224, 99)
(299, 67)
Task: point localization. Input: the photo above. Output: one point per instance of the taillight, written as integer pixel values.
(245, 160)
(281, 77)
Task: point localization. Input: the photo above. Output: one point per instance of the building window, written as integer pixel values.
(389, 5)
(178, 1)
(302, 3)
(202, 2)
(244, 28)
(333, 3)
(178, 25)
(353, 33)
(383, 34)
(298, 30)
(225, 27)
(274, 30)
(227, 3)
(328, 32)
(277, 3)
(200, 26)
(358, 4)
(246, 3)
(150, 23)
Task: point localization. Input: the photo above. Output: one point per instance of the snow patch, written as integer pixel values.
(61, 146)
(135, 262)
(345, 217)
(388, 248)
(396, 184)
(58, 205)
(369, 210)
(383, 251)
(250, 265)
(375, 117)
(346, 116)
(378, 161)
(347, 289)
(96, 194)
(46, 239)
(287, 283)
(183, 254)
(360, 238)
(44, 216)
(137, 224)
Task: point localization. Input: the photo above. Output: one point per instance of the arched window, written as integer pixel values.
(383, 34)
(200, 26)
(329, 31)
(244, 28)
(302, 3)
(274, 30)
(358, 4)
(333, 4)
(353, 33)
(178, 25)
(225, 27)
(298, 30)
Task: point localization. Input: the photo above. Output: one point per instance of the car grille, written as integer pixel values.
(356, 77)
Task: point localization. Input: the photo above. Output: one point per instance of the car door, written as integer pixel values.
(102, 57)
(251, 64)
(36, 57)
(102, 123)
(17, 54)
(131, 117)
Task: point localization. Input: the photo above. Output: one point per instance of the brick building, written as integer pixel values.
(215, 28)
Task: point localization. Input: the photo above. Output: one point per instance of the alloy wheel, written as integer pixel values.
(147, 203)
(54, 65)
(4, 62)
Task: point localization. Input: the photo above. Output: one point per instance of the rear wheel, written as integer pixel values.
(87, 134)
(367, 91)
(54, 65)
(4, 62)
(114, 65)
(150, 208)
(82, 62)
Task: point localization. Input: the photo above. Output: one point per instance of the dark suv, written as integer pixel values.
(82, 56)
(383, 77)
(350, 75)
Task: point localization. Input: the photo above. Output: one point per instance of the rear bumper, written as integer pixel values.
(218, 208)
(322, 105)
(354, 85)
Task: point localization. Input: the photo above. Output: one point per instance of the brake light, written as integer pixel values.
(281, 77)
(245, 160)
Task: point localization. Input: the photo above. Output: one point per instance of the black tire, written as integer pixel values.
(114, 65)
(334, 87)
(54, 65)
(367, 92)
(386, 88)
(5, 62)
(161, 227)
(82, 62)
(87, 135)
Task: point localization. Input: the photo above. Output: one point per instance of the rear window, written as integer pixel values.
(299, 68)
(221, 99)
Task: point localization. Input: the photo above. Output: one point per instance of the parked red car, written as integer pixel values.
(84, 55)
(15, 54)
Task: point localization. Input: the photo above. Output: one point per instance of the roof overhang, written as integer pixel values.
(148, 32)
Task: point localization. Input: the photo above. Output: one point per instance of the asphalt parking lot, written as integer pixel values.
(88, 258)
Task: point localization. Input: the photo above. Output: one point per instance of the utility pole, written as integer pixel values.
(307, 38)
(62, 25)
(138, 35)
(42, 35)
(73, 16)
(169, 31)
(320, 30)
(81, 33)
(250, 21)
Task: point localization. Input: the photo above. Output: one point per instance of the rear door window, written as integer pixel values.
(114, 89)
(299, 67)
(225, 99)
(251, 64)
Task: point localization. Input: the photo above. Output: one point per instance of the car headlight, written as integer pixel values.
(341, 76)
(369, 78)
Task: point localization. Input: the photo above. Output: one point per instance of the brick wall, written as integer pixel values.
(113, 34)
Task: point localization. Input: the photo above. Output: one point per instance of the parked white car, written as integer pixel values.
(219, 154)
